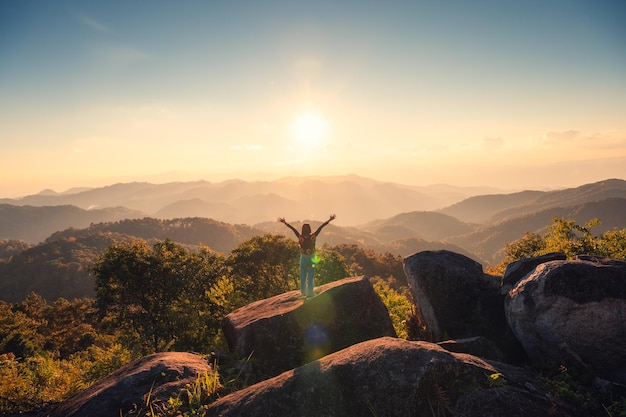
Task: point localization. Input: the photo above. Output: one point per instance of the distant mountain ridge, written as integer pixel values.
(497, 207)
(487, 241)
(353, 198)
(33, 224)
(356, 200)
(78, 235)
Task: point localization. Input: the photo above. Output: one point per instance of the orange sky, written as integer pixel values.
(514, 96)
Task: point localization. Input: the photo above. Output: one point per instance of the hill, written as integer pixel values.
(58, 268)
(422, 224)
(479, 209)
(219, 236)
(60, 264)
(487, 242)
(33, 224)
(355, 199)
(492, 208)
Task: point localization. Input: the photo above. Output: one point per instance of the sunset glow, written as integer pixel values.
(511, 94)
(309, 129)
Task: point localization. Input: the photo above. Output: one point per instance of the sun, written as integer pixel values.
(309, 129)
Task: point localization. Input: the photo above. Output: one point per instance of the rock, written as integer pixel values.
(285, 331)
(457, 300)
(161, 375)
(386, 377)
(516, 271)
(505, 401)
(573, 311)
(476, 346)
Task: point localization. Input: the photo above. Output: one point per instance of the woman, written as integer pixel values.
(306, 239)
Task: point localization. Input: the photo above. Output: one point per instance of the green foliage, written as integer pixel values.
(54, 268)
(399, 306)
(564, 384)
(51, 351)
(40, 380)
(191, 401)
(617, 408)
(367, 262)
(613, 244)
(158, 298)
(264, 266)
(195, 398)
(331, 266)
(568, 237)
(11, 247)
(33, 326)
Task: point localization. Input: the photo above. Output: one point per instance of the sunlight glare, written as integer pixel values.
(309, 129)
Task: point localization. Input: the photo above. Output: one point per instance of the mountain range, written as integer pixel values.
(355, 199)
(76, 226)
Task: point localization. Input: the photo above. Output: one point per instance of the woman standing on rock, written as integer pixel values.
(306, 240)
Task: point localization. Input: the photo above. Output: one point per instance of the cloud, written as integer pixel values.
(597, 140)
(94, 24)
(564, 137)
(492, 143)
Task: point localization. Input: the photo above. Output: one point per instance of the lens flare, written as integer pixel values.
(316, 342)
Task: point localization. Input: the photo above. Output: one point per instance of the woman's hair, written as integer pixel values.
(306, 229)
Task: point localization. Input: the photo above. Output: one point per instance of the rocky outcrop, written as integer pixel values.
(476, 346)
(286, 331)
(161, 375)
(390, 377)
(516, 271)
(573, 310)
(457, 300)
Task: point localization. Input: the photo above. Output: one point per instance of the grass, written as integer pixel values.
(195, 398)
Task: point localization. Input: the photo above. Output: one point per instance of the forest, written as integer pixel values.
(164, 296)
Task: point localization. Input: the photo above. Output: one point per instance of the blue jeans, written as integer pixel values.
(307, 273)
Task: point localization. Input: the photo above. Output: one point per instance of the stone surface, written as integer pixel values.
(476, 346)
(286, 331)
(516, 271)
(162, 375)
(576, 311)
(457, 300)
(386, 377)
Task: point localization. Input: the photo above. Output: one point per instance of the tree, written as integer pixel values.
(159, 298)
(331, 266)
(529, 245)
(572, 239)
(367, 262)
(613, 244)
(264, 266)
(568, 237)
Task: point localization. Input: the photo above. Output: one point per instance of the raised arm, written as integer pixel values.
(319, 229)
(283, 221)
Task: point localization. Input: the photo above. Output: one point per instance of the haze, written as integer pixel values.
(503, 94)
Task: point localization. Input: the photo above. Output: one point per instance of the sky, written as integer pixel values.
(508, 94)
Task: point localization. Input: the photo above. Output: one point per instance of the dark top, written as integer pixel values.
(307, 242)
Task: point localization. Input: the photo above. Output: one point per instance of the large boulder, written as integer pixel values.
(477, 346)
(573, 310)
(390, 377)
(516, 271)
(286, 331)
(457, 300)
(161, 375)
